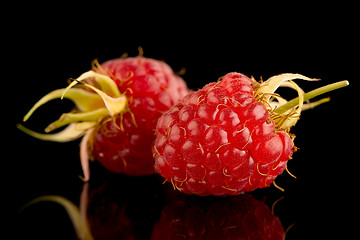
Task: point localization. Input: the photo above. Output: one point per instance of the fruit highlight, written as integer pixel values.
(232, 136)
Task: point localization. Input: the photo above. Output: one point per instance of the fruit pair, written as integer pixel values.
(229, 137)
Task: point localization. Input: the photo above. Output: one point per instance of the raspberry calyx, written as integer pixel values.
(117, 105)
(286, 113)
(93, 104)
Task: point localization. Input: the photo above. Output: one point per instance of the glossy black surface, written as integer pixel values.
(321, 202)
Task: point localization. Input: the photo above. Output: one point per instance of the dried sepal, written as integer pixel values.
(84, 154)
(269, 86)
(105, 83)
(84, 100)
(91, 107)
(71, 132)
(114, 105)
(72, 117)
(291, 116)
(97, 100)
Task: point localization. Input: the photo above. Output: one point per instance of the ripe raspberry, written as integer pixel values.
(118, 105)
(240, 217)
(124, 144)
(231, 136)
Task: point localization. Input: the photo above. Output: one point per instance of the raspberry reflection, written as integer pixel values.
(241, 217)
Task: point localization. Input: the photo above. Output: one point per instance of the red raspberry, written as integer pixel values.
(240, 217)
(229, 137)
(124, 144)
(117, 109)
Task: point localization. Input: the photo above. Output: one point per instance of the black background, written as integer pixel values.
(48, 47)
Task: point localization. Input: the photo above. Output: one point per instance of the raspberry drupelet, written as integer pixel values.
(230, 137)
(117, 107)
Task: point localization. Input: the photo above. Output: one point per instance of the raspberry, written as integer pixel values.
(117, 108)
(152, 88)
(230, 137)
(241, 217)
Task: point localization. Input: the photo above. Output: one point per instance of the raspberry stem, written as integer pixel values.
(314, 93)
